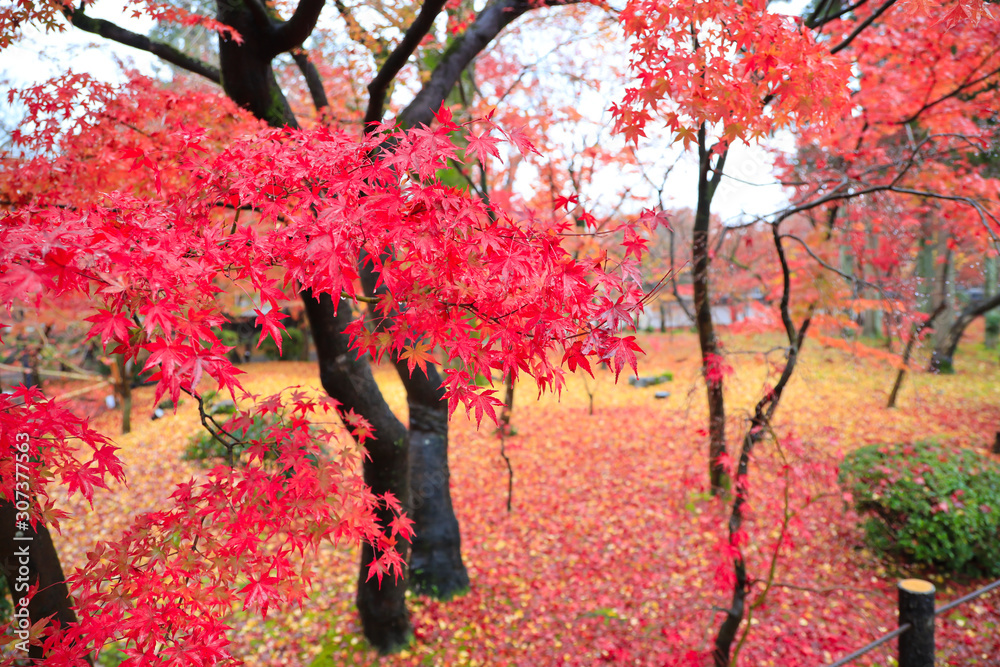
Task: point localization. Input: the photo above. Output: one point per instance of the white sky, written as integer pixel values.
(40, 55)
(747, 189)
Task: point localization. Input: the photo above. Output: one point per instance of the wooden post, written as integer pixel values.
(916, 607)
(996, 444)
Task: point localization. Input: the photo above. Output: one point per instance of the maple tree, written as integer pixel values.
(439, 268)
(144, 215)
(720, 72)
(917, 150)
(491, 272)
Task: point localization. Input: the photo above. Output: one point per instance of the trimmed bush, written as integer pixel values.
(292, 342)
(925, 504)
(202, 446)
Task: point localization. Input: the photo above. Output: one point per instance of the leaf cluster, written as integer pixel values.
(926, 504)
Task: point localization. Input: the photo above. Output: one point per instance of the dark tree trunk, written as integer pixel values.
(348, 379)
(436, 566)
(248, 79)
(943, 355)
(914, 335)
(707, 339)
(29, 560)
(245, 67)
(757, 429)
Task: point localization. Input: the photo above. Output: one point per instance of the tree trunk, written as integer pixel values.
(246, 70)
(124, 390)
(436, 566)
(347, 378)
(943, 355)
(710, 348)
(925, 271)
(992, 329)
(943, 294)
(248, 79)
(914, 335)
(29, 560)
(757, 429)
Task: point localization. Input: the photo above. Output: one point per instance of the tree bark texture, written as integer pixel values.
(347, 378)
(31, 562)
(943, 355)
(248, 78)
(707, 339)
(756, 431)
(436, 566)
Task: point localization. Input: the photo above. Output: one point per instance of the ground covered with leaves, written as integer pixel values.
(613, 551)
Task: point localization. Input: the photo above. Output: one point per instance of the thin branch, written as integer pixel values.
(954, 93)
(496, 16)
(293, 32)
(313, 79)
(985, 216)
(378, 88)
(825, 591)
(378, 46)
(786, 286)
(864, 24)
(81, 391)
(206, 418)
(817, 20)
(116, 33)
(846, 276)
(55, 374)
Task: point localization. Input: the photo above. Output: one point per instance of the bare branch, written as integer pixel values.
(846, 276)
(958, 90)
(115, 33)
(378, 88)
(818, 20)
(861, 26)
(496, 16)
(293, 32)
(378, 46)
(313, 80)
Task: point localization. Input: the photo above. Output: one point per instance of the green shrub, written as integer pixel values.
(929, 505)
(292, 342)
(6, 603)
(993, 322)
(202, 446)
